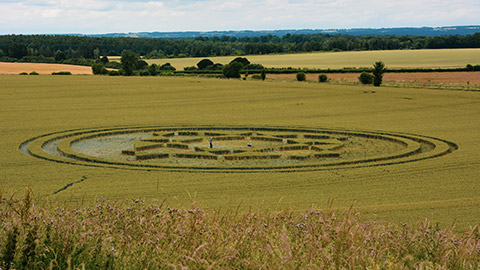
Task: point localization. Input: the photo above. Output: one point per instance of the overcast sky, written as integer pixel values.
(96, 16)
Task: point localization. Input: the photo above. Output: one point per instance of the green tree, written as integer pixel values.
(141, 64)
(365, 78)
(263, 75)
(232, 70)
(153, 69)
(242, 60)
(322, 78)
(60, 56)
(104, 59)
(204, 63)
(17, 51)
(167, 66)
(129, 62)
(378, 70)
(301, 76)
(98, 68)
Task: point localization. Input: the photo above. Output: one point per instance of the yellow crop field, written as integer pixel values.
(433, 135)
(393, 59)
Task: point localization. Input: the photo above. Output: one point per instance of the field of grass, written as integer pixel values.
(444, 189)
(393, 59)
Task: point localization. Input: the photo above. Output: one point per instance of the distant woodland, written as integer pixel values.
(73, 49)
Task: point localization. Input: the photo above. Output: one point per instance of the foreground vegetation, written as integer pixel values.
(129, 234)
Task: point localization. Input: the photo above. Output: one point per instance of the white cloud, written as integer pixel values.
(97, 16)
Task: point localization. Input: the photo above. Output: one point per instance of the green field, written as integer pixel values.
(444, 188)
(393, 59)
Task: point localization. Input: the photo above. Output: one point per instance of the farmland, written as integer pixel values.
(443, 188)
(441, 58)
(41, 68)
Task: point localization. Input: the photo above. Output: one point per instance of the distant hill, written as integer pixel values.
(409, 31)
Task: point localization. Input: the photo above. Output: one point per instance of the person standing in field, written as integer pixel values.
(211, 142)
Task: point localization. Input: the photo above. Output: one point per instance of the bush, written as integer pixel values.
(62, 73)
(114, 73)
(153, 69)
(99, 68)
(256, 77)
(190, 68)
(322, 78)
(253, 67)
(145, 73)
(216, 66)
(301, 76)
(24, 73)
(204, 63)
(242, 60)
(167, 66)
(232, 70)
(33, 73)
(366, 78)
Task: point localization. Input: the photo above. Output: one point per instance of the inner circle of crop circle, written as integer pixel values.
(233, 148)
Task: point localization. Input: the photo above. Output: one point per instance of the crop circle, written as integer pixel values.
(233, 148)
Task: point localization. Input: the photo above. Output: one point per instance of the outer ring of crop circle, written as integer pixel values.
(441, 147)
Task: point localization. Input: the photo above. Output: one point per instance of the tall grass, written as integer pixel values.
(132, 235)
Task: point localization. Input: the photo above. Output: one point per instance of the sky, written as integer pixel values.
(123, 16)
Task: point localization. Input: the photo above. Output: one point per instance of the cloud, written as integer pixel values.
(96, 16)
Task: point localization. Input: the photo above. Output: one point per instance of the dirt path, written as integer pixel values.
(17, 68)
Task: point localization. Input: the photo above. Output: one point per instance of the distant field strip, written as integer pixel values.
(42, 68)
(273, 148)
(441, 58)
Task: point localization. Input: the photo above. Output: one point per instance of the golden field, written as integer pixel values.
(42, 68)
(440, 58)
(444, 188)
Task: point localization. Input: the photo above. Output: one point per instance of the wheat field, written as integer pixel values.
(444, 189)
(441, 58)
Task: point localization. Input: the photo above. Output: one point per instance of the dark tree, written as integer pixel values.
(232, 70)
(60, 56)
(98, 68)
(129, 62)
(104, 59)
(242, 60)
(263, 75)
(17, 51)
(322, 78)
(141, 64)
(378, 70)
(167, 66)
(204, 63)
(301, 77)
(366, 78)
(153, 69)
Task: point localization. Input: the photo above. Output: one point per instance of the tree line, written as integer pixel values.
(58, 48)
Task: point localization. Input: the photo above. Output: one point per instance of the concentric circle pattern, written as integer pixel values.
(232, 148)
